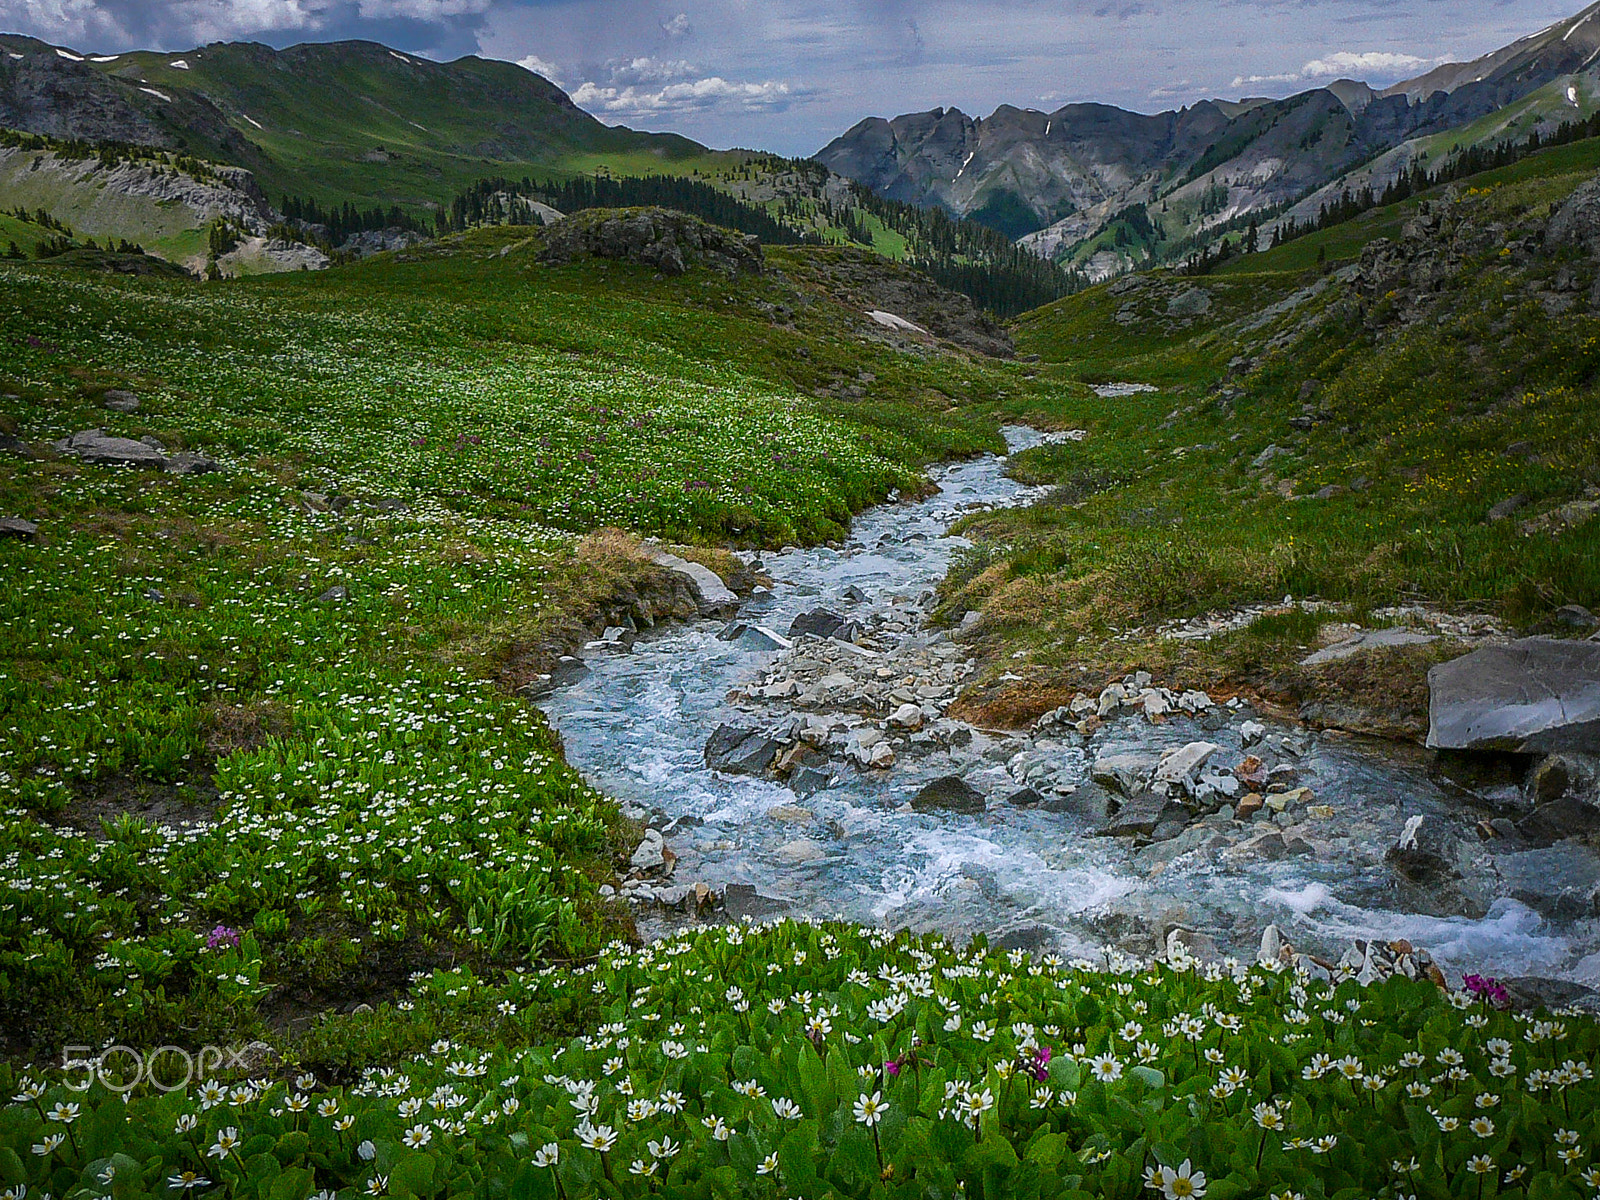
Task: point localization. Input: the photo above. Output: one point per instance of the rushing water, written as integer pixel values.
(636, 725)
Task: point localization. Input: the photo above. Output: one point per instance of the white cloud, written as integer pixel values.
(643, 86)
(1376, 62)
(693, 95)
(532, 62)
(677, 27)
(1380, 63)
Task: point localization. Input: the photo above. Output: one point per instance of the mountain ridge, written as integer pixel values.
(1055, 180)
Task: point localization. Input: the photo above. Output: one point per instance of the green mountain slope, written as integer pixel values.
(1410, 421)
(344, 120)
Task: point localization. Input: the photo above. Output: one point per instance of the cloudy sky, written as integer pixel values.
(788, 75)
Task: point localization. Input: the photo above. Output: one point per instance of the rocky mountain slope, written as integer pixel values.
(1111, 188)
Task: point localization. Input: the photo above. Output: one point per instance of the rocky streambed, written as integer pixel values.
(800, 758)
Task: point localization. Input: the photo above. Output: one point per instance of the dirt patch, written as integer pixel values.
(122, 795)
(230, 728)
(1381, 692)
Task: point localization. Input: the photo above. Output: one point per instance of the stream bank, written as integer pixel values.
(888, 811)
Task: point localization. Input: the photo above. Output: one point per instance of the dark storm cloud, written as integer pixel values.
(789, 74)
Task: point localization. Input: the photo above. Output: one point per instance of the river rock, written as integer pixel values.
(96, 446)
(741, 900)
(801, 850)
(1535, 695)
(1179, 766)
(712, 593)
(950, 793)
(907, 717)
(759, 637)
(1559, 881)
(819, 622)
(807, 781)
(1142, 815)
(740, 751)
(650, 854)
(1125, 774)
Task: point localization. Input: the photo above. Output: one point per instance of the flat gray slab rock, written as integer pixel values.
(1370, 639)
(714, 594)
(96, 446)
(1532, 696)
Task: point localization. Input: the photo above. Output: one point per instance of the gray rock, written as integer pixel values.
(1251, 732)
(1533, 991)
(807, 781)
(1190, 303)
(713, 594)
(189, 462)
(1507, 507)
(15, 445)
(1125, 774)
(96, 446)
(16, 527)
(1576, 224)
(950, 793)
(1559, 881)
(1368, 639)
(759, 637)
(743, 900)
(120, 400)
(1575, 616)
(1564, 817)
(1141, 816)
(1267, 455)
(337, 592)
(819, 622)
(908, 717)
(739, 751)
(668, 241)
(1086, 800)
(1535, 695)
(1025, 798)
(1179, 766)
(650, 854)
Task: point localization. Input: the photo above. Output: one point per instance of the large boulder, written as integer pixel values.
(713, 594)
(949, 793)
(1532, 696)
(1577, 222)
(670, 242)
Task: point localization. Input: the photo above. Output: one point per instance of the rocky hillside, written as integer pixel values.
(354, 120)
(1318, 470)
(1111, 188)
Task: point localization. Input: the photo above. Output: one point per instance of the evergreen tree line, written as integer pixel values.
(343, 220)
(492, 201)
(1472, 161)
(959, 254)
(972, 258)
(110, 152)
